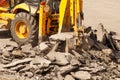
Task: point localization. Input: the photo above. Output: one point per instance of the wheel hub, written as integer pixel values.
(21, 29)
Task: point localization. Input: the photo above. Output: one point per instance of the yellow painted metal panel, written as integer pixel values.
(75, 10)
(63, 6)
(72, 14)
(75, 26)
(3, 22)
(7, 16)
(3, 9)
(42, 22)
(23, 6)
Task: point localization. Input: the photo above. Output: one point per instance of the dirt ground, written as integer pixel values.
(102, 11)
(95, 12)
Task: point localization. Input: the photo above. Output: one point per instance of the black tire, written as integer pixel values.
(32, 37)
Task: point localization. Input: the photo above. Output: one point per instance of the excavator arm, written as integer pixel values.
(75, 10)
(76, 14)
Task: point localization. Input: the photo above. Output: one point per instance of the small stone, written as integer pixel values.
(67, 69)
(23, 78)
(116, 72)
(2, 46)
(9, 48)
(100, 32)
(85, 69)
(0, 51)
(12, 43)
(6, 54)
(61, 59)
(59, 76)
(17, 53)
(117, 78)
(14, 63)
(107, 51)
(118, 67)
(1, 67)
(26, 48)
(88, 29)
(96, 78)
(38, 71)
(93, 65)
(43, 46)
(69, 77)
(37, 78)
(117, 43)
(55, 78)
(116, 36)
(117, 56)
(18, 67)
(62, 36)
(113, 65)
(29, 74)
(53, 42)
(41, 62)
(96, 67)
(82, 75)
(26, 68)
(5, 61)
(32, 54)
(74, 62)
(87, 43)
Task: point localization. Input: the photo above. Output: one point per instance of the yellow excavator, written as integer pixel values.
(29, 20)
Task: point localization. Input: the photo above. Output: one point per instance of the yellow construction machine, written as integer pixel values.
(29, 20)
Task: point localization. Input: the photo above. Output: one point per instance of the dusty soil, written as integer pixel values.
(95, 12)
(102, 11)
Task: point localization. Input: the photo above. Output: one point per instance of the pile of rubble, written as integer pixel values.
(53, 60)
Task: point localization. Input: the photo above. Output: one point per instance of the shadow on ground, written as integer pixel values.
(5, 34)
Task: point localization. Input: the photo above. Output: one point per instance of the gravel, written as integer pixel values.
(50, 62)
